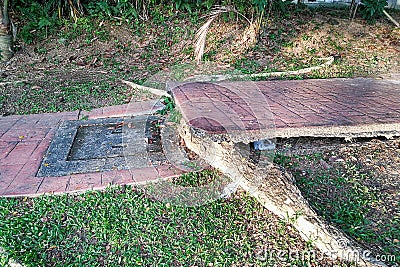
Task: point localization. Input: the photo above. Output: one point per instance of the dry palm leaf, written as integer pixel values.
(201, 34)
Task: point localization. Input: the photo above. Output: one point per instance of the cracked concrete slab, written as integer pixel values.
(248, 111)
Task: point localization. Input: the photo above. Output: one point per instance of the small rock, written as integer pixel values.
(324, 164)
(335, 159)
(265, 144)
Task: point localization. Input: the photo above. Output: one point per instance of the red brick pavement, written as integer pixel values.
(25, 139)
(283, 106)
(280, 106)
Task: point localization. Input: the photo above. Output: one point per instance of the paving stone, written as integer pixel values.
(122, 177)
(6, 124)
(6, 148)
(108, 178)
(95, 145)
(131, 109)
(85, 181)
(8, 174)
(332, 107)
(97, 141)
(301, 104)
(30, 168)
(23, 185)
(73, 115)
(143, 175)
(224, 108)
(114, 111)
(27, 122)
(53, 185)
(167, 171)
(49, 120)
(21, 153)
(40, 150)
(25, 181)
(152, 105)
(93, 114)
(26, 134)
(116, 177)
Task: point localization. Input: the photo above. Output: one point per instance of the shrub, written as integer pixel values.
(372, 9)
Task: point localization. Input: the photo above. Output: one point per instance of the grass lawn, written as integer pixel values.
(122, 227)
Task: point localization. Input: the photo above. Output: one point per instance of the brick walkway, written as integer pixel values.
(334, 107)
(25, 139)
(330, 108)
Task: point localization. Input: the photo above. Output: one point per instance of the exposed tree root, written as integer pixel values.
(145, 88)
(277, 193)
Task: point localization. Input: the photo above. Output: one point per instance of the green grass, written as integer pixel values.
(122, 227)
(343, 195)
(194, 179)
(68, 96)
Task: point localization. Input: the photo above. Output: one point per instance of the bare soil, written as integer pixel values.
(353, 184)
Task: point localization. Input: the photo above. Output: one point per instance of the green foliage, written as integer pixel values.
(40, 18)
(124, 9)
(183, 4)
(196, 179)
(37, 20)
(169, 105)
(372, 9)
(281, 7)
(175, 116)
(122, 227)
(260, 5)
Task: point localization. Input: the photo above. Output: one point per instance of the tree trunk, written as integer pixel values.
(6, 37)
(277, 193)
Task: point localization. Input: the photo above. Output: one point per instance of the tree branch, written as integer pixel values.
(6, 18)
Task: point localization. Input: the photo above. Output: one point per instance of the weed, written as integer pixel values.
(121, 226)
(196, 179)
(175, 116)
(372, 9)
(169, 105)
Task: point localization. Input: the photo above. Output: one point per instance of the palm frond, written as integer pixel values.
(201, 34)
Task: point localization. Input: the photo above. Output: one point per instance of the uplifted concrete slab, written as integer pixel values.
(248, 111)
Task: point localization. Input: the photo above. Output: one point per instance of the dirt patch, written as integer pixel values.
(354, 185)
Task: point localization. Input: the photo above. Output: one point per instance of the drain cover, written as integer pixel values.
(96, 142)
(97, 145)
